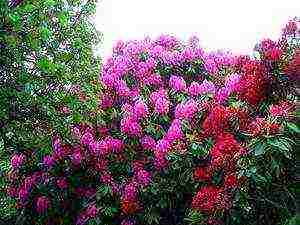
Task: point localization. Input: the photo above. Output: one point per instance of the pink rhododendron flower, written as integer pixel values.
(186, 110)
(177, 83)
(148, 142)
(17, 160)
(206, 87)
(143, 177)
(62, 183)
(42, 205)
(282, 109)
(48, 161)
(174, 133)
(130, 126)
(140, 109)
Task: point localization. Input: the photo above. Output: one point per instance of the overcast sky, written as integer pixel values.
(220, 24)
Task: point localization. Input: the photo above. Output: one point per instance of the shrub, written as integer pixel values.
(186, 137)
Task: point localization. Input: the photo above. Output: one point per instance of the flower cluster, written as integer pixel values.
(161, 97)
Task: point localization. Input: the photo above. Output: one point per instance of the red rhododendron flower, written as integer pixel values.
(253, 85)
(202, 173)
(273, 128)
(231, 181)
(282, 109)
(224, 152)
(217, 121)
(210, 199)
(129, 207)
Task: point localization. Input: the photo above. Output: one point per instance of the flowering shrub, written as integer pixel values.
(185, 137)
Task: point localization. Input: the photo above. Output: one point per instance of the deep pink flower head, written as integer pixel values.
(210, 65)
(273, 54)
(87, 138)
(76, 158)
(206, 87)
(232, 82)
(177, 83)
(115, 145)
(130, 192)
(161, 150)
(122, 88)
(167, 41)
(56, 144)
(140, 109)
(154, 96)
(194, 89)
(222, 95)
(103, 147)
(160, 101)
(48, 161)
(153, 79)
(42, 205)
(282, 109)
(92, 211)
(127, 109)
(62, 183)
(29, 182)
(193, 41)
(17, 160)
(162, 106)
(106, 178)
(186, 110)
(128, 222)
(148, 142)
(143, 177)
(130, 126)
(23, 195)
(292, 28)
(107, 101)
(109, 80)
(118, 47)
(174, 133)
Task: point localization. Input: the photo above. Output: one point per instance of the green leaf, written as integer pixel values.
(259, 149)
(63, 19)
(282, 145)
(293, 127)
(43, 64)
(49, 3)
(15, 19)
(194, 218)
(45, 33)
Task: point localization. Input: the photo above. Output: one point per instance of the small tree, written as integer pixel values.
(46, 52)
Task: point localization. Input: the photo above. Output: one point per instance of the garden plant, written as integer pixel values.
(166, 133)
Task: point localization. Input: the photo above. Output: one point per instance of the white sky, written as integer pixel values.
(220, 24)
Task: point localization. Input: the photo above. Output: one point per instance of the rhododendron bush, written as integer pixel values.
(185, 137)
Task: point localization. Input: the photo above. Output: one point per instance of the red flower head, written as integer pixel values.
(129, 207)
(253, 86)
(231, 181)
(217, 121)
(224, 151)
(210, 199)
(202, 173)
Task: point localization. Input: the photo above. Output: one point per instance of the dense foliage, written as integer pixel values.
(180, 136)
(48, 75)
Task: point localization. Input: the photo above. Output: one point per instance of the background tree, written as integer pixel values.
(46, 52)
